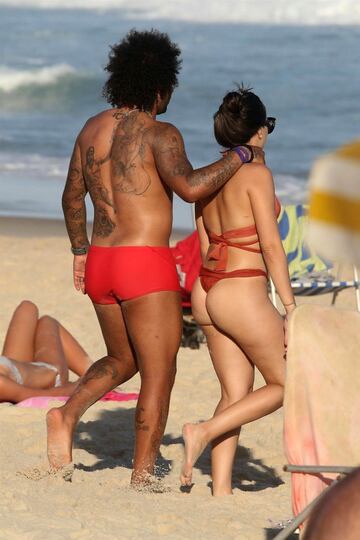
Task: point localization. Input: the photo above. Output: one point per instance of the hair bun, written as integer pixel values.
(239, 117)
(232, 102)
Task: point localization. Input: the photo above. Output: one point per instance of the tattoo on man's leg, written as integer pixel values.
(140, 424)
(101, 368)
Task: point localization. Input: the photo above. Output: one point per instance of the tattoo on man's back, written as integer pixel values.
(129, 172)
(100, 195)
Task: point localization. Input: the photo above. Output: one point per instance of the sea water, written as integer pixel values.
(301, 57)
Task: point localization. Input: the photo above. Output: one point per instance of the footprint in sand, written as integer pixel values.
(42, 471)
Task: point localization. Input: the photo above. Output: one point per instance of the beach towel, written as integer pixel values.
(301, 258)
(334, 214)
(322, 396)
(188, 261)
(43, 402)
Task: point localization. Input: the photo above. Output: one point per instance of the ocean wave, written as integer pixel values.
(308, 12)
(291, 189)
(33, 166)
(59, 86)
(12, 79)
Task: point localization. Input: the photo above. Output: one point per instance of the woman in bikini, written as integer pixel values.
(241, 247)
(37, 355)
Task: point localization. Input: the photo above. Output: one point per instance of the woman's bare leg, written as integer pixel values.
(236, 376)
(77, 359)
(14, 392)
(48, 346)
(20, 337)
(257, 327)
(102, 376)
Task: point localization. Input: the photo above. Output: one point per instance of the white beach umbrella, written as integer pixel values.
(334, 213)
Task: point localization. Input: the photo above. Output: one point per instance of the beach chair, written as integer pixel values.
(310, 274)
(321, 405)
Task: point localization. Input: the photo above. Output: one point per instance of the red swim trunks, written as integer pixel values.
(119, 273)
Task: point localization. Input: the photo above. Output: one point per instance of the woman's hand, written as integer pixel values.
(289, 310)
(79, 272)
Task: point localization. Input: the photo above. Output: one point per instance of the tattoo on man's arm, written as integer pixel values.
(172, 156)
(74, 205)
(174, 163)
(215, 175)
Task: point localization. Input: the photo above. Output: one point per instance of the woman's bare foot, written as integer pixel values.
(194, 444)
(59, 439)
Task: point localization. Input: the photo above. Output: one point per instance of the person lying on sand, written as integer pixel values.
(37, 355)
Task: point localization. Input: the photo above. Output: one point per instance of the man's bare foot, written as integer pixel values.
(140, 478)
(145, 482)
(59, 439)
(194, 445)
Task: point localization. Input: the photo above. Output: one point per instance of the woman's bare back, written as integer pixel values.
(230, 209)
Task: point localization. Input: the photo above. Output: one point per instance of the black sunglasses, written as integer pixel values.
(270, 124)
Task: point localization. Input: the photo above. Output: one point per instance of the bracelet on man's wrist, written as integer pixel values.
(245, 153)
(79, 250)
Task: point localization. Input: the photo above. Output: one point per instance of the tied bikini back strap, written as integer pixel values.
(219, 251)
(221, 242)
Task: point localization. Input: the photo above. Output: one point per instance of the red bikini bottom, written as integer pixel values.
(208, 277)
(113, 274)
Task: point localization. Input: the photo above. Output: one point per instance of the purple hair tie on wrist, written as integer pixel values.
(245, 152)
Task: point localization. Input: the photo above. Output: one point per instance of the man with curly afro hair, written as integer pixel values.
(131, 163)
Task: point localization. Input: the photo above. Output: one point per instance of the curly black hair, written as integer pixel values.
(140, 66)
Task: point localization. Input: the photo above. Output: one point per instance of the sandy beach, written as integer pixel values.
(97, 504)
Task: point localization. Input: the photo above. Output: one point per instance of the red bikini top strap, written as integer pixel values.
(219, 251)
(239, 233)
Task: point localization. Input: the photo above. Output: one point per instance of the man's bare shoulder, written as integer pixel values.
(165, 128)
(94, 122)
(165, 132)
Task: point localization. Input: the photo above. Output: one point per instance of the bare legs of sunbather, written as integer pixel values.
(257, 329)
(136, 341)
(32, 339)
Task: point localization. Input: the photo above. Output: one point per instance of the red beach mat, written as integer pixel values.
(42, 402)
